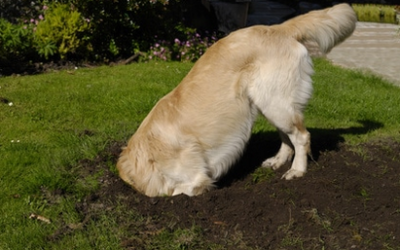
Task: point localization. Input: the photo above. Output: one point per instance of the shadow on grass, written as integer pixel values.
(266, 144)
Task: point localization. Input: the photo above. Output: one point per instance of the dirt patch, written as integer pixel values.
(349, 199)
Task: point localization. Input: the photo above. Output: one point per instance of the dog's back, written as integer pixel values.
(196, 132)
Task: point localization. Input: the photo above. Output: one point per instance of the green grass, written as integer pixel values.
(60, 118)
(360, 105)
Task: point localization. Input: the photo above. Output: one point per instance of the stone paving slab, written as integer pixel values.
(374, 47)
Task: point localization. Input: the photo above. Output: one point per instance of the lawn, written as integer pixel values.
(51, 123)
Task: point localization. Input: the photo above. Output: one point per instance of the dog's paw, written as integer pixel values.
(272, 162)
(292, 173)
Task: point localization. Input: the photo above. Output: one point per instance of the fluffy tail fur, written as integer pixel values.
(327, 27)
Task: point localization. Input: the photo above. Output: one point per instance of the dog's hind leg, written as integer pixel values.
(295, 139)
(285, 154)
(281, 92)
(300, 139)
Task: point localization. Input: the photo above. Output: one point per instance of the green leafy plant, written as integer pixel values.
(61, 31)
(365, 196)
(14, 38)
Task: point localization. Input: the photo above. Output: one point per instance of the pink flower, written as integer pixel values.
(45, 7)
(32, 20)
(177, 40)
(41, 17)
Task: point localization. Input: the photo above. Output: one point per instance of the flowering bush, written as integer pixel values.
(46, 30)
(187, 50)
(97, 30)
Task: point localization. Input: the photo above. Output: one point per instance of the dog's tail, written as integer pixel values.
(327, 27)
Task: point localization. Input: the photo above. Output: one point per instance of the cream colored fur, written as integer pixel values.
(195, 133)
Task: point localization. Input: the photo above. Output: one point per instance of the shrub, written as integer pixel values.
(122, 28)
(186, 50)
(112, 27)
(61, 30)
(15, 46)
(98, 30)
(15, 39)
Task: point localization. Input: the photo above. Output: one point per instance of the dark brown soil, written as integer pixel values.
(349, 199)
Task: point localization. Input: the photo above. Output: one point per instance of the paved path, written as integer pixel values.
(373, 46)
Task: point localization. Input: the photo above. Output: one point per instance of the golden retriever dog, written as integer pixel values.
(195, 133)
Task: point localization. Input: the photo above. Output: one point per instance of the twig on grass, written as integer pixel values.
(39, 218)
